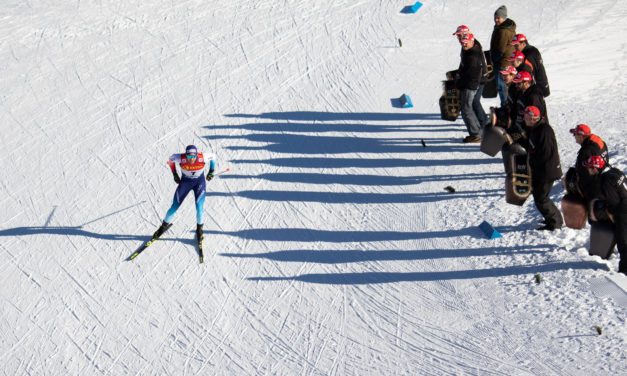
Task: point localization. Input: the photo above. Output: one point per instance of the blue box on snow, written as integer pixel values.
(490, 231)
(406, 101)
(412, 9)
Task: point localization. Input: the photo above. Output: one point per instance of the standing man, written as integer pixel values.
(610, 202)
(461, 31)
(544, 161)
(468, 80)
(500, 48)
(534, 57)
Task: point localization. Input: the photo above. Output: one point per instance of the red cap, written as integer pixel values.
(517, 39)
(581, 129)
(516, 55)
(533, 111)
(467, 38)
(461, 29)
(523, 77)
(594, 161)
(510, 69)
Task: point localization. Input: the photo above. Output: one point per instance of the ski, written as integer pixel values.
(155, 237)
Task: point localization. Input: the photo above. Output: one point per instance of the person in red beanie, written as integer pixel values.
(534, 57)
(544, 161)
(609, 203)
(590, 145)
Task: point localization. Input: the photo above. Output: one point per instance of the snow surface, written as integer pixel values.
(331, 247)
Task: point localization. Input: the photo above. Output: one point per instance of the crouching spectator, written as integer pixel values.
(610, 202)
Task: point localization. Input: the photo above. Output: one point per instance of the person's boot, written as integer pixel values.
(163, 228)
(199, 234)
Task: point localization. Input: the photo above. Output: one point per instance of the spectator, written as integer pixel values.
(503, 33)
(476, 102)
(502, 115)
(545, 166)
(517, 59)
(590, 145)
(468, 80)
(610, 202)
(534, 57)
(529, 96)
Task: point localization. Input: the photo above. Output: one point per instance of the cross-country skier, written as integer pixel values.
(192, 164)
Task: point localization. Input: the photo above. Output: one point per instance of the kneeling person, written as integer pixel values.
(610, 202)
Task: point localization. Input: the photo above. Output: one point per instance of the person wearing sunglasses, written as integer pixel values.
(192, 165)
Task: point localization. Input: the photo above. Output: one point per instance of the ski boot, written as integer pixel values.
(163, 228)
(199, 234)
(199, 237)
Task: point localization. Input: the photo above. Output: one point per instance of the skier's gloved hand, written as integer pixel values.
(209, 176)
(176, 177)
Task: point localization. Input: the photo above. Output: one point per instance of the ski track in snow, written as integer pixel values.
(331, 246)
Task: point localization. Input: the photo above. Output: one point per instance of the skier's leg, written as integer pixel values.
(200, 210)
(200, 193)
(179, 195)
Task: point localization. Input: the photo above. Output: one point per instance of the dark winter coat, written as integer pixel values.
(592, 145)
(506, 114)
(544, 156)
(470, 70)
(530, 97)
(484, 65)
(500, 49)
(533, 56)
(526, 66)
(614, 191)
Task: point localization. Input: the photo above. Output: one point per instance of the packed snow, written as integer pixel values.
(331, 245)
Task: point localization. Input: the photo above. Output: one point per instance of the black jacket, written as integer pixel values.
(592, 145)
(611, 191)
(614, 191)
(470, 70)
(544, 156)
(533, 56)
(531, 97)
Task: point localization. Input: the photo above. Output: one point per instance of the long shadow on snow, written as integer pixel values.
(317, 162)
(66, 230)
(329, 236)
(375, 180)
(338, 116)
(389, 277)
(358, 198)
(315, 144)
(344, 256)
(330, 127)
(78, 231)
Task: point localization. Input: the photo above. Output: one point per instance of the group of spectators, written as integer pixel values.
(522, 84)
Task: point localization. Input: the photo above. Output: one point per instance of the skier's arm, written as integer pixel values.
(174, 159)
(212, 167)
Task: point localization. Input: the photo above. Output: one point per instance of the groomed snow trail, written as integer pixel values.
(332, 247)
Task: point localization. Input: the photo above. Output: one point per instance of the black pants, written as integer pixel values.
(546, 207)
